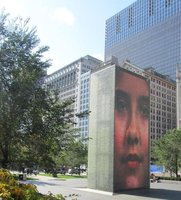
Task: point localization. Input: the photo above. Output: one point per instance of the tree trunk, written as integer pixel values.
(176, 165)
(5, 163)
(5, 154)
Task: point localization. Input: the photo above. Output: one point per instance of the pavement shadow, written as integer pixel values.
(42, 183)
(155, 193)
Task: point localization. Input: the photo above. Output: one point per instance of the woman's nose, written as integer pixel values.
(132, 140)
(132, 133)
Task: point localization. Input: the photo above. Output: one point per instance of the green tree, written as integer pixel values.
(34, 124)
(167, 151)
(78, 154)
(21, 69)
(74, 156)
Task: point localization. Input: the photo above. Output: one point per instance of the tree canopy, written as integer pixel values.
(167, 151)
(34, 124)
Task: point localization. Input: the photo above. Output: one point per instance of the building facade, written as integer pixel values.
(72, 81)
(148, 33)
(84, 104)
(178, 81)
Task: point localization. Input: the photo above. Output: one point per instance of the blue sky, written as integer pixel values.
(71, 28)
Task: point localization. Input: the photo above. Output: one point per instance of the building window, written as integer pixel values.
(118, 27)
(167, 3)
(130, 17)
(151, 7)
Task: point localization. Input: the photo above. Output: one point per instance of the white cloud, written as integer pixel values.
(64, 16)
(15, 8)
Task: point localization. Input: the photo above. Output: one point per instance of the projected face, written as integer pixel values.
(131, 132)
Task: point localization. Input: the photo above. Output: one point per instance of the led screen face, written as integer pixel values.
(131, 132)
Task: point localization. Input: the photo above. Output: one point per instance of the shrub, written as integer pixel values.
(11, 189)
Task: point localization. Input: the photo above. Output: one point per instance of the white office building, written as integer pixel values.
(73, 81)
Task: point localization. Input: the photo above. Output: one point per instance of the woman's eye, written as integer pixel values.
(144, 110)
(122, 106)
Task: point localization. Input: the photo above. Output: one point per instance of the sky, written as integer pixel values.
(71, 28)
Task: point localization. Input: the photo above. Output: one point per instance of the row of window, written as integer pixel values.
(162, 85)
(164, 117)
(83, 122)
(163, 112)
(65, 71)
(84, 107)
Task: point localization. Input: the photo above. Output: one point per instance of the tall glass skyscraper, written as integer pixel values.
(148, 33)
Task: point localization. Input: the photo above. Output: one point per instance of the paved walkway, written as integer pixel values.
(168, 190)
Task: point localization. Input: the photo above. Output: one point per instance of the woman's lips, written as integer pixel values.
(132, 160)
(133, 164)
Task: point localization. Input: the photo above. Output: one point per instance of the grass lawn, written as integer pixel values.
(61, 176)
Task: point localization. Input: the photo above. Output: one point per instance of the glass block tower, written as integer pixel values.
(148, 33)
